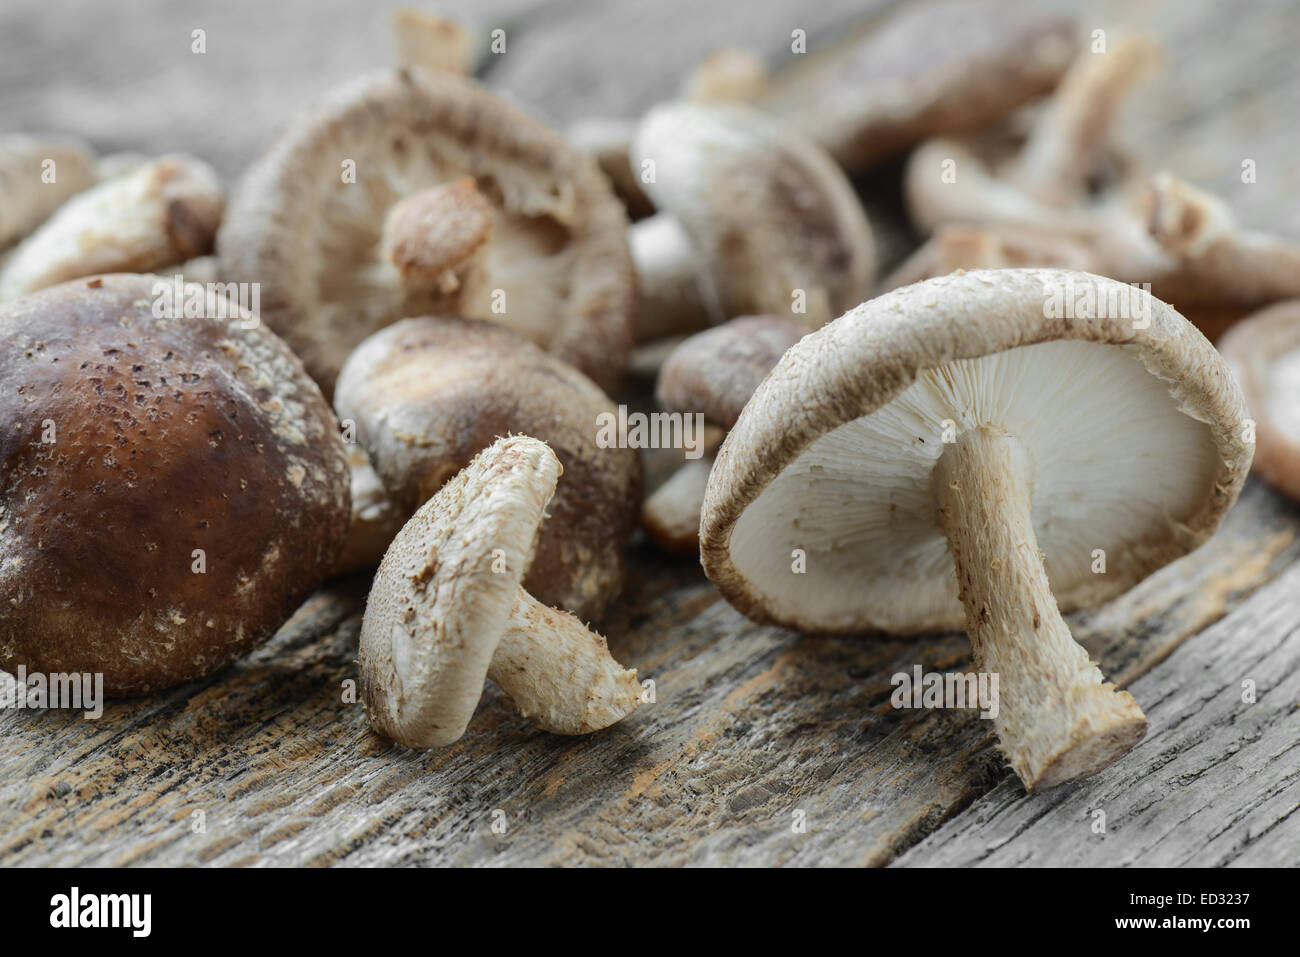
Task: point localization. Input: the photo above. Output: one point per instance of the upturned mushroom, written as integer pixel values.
(173, 488)
(447, 609)
(1055, 435)
(411, 193)
(37, 175)
(753, 219)
(428, 394)
(712, 373)
(1264, 353)
(153, 216)
(934, 69)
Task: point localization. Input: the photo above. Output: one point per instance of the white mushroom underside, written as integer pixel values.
(1115, 463)
(1284, 394)
(529, 257)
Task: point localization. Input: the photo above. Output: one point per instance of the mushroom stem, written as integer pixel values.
(559, 673)
(1057, 718)
(674, 294)
(671, 516)
(438, 240)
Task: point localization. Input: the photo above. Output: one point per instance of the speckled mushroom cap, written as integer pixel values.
(558, 248)
(428, 394)
(129, 443)
(445, 590)
(716, 371)
(1263, 351)
(934, 69)
(767, 211)
(1134, 436)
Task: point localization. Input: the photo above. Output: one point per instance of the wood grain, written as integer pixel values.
(751, 724)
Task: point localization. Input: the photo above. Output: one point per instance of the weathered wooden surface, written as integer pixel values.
(751, 724)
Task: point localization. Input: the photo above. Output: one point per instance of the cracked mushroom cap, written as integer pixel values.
(172, 488)
(320, 244)
(1264, 353)
(155, 215)
(429, 394)
(716, 371)
(767, 212)
(934, 69)
(1134, 438)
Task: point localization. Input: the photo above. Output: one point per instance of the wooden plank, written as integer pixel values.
(751, 724)
(1216, 782)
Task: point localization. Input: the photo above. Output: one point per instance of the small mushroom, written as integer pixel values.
(447, 609)
(934, 69)
(713, 373)
(429, 394)
(174, 488)
(1055, 435)
(727, 75)
(427, 41)
(318, 218)
(151, 217)
(760, 221)
(37, 176)
(1264, 353)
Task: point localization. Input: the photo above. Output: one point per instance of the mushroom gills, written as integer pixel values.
(1117, 467)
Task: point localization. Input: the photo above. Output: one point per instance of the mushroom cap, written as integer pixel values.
(168, 435)
(1263, 351)
(429, 394)
(152, 216)
(716, 371)
(1134, 435)
(444, 592)
(934, 69)
(767, 211)
(315, 242)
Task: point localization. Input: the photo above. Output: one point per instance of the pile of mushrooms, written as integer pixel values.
(450, 293)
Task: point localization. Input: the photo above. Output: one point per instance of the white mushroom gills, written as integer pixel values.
(1057, 719)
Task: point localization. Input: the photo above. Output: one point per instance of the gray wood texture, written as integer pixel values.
(751, 724)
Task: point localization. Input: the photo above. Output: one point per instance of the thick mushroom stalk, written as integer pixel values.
(559, 673)
(437, 239)
(1058, 719)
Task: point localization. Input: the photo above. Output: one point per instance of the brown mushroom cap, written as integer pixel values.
(428, 394)
(558, 247)
(767, 212)
(934, 69)
(168, 436)
(1264, 353)
(716, 371)
(1138, 449)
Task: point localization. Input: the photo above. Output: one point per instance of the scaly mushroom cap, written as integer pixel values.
(1264, 353)
(558, 248)
(445, 590)
(129, 442)
(767, 211)
(429, 394)
(27, 194)
(934, 69)
(153, 216)
(1134, 438)
(716, 371)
